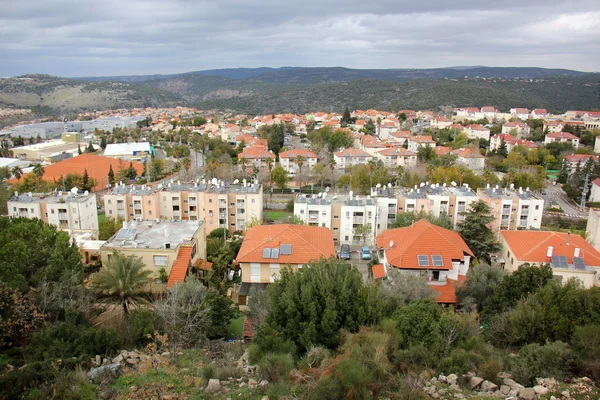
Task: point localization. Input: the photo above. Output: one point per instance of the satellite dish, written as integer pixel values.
(327, 189)
(390, 185)
(378, 185)
(214, 181)
(86, 193)
(74, 190)
(391, 243)
(236, 181)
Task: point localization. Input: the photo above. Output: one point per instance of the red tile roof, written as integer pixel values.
(308, 243)
(422, 238)
(446, 293)
(256, 152)
(378, 271)
(532, 246)
(352, 152)
(297, 152)
(396, 151)
(180, 266)
(562, 135)
(423, 139)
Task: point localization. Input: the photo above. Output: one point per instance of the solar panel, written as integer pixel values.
(286, 249)
(126, 234)
(437, 260)
(267, 252)
(275, 253)
(423, 260)
(560, 262)
(555, 262)
(578, 263)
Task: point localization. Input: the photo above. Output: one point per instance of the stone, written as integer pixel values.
(452, 379)
(96, 372)
(213, 386)
(433, 380)
(512, 384)
(455, 387)
(132, 361)
(243, 384)
(264, 398)
(504, 375)
(133, 389)
(117, 359)
(504, 389)
(252, 383)
(459, 395)
(106, 361)
(442, 378)
(541, 390)
(565, 394)
(475, 382)
(527, 394)
(262, 384)
(98, 360)
(488, 386)
(442, 392)
(166, 354)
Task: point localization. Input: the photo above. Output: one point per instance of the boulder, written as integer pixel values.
(527, 394)
(252, 383)
(475, 382)
(505, 389)
(213, 386)
(262, 384)
(541, 390)
(96, 372)
(565, 394)
(118, 359)
(488, 386)
(98, 360)
(512, 384)
(442, 378)
(452, 379)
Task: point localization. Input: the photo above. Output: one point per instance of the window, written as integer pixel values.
(161, 260)
(109, 201)
(253, 201)
(210, 200)
(149, 212)
(323, 224)
(232, 204)
(322, 212)
(301, 211)
(255, 272)
(537, 207)
(210, 213)
(437, 260)
(233, 215)
(346, 238)
(336, 229)
(423, 260)
(336, 216)
(149, 202)
(52, 211)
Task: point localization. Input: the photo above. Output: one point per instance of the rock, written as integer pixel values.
(565, 394)
(132, 361)
(133, 389)
(98, 360)
(242, 384)
(442, 378)
(245, 356)
(433, 380)
(106, 361)
(455, 387)
(263, 383)
(547, 382)
(470, 375)
(512, 384)
(96, 372)
(442, 392)
(475, 382)
(541, 390)
(459, 395)
(504, 389)
(504, 375)
(252, 383)
(452, 379)
(166, 354)
(117, 359)
(488, 386)
(213, 386)
(264, 398)
(527, 394)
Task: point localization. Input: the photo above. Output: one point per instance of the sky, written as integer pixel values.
(138, 37)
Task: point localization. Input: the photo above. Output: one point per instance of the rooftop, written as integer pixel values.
(51, 198)
(153, 235)
(118, 149)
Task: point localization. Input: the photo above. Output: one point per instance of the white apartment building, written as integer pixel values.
(65, 210)
(348, 158)
(513, 209)
(313, 210)
(289, 160)
(356, 212)
(394, 157)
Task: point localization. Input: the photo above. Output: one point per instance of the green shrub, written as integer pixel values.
(417, 356)
(355, 378)
(219, 233)
(274, 367)
(290, 205)
(73, 385)
(534, 360)
(329, 388)
(490, 369)
(254, 354)
(586, 341)
(209, 372)
(460, 361)
(279, 389)
(140, 324)
(229, 372)
(314, 357)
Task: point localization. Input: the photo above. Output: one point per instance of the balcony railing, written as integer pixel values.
(137, 206)
(63, 217)
(358, 220)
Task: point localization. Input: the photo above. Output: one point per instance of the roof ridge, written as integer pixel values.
(552, 234)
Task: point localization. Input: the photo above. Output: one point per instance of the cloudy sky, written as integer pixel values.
(127, 37)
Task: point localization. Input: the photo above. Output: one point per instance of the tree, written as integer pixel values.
(186, 163)
(111, 176)
(122, 280)
(18, 316)
(401, 288)
(346, 118)
(270, 162)
(503, 150)
(86, 180)
(4, 174)
(482, 281)
(102, 143)
(300, 163)
(363, 231)
(17, 172)
(425, 153)
(280, 177)
(408, 218)
(311, 306)
(296, 220)
(108, 227)
(243, 162)
(370, 127)
(79, 149)
(38, 170)
(90, 148)
(475, 231)
(402, 116)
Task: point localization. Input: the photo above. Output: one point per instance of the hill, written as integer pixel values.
(56, 94)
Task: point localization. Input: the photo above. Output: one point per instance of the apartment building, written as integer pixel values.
(356, 212)
(348, 158)
(394, 157)
(289, 160)
(314, 211)
(65, 210)
(460, 199)
(562, 137)
(512, 210)
(218, 205)
(518, 127)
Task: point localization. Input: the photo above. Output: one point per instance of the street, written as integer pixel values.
(554, 194)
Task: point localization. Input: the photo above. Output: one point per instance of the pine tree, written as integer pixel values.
(475, 231)
(346, 118)
(79, 149)
(85, 180)
(103, 142)
(90, 148)
(563, 175)
(111, 176)
(503, 150)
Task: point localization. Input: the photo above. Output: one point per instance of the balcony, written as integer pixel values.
(63, 217)
(358, 220)
(137, 206)
(192, 203)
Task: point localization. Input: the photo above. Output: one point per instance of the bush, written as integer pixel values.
(290, 205)
(414, 357)
(355, 378)
(229, 372)
(140, 324)
(314, 357)
(274, 367)
(460, 361)
(586, 341)
(279, 389)
(534, 360)
(219, 233)
(490, 369)
(209, 372)
(254, 354)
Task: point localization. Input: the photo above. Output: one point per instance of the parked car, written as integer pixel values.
(345, 252)
(365, 253)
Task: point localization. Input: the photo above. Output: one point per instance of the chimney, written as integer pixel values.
(577, 252)
(550, 251)
(568, 238)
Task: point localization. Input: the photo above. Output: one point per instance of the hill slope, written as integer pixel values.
(73, 95)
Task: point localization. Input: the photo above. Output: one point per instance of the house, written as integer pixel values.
(415, 142)
(519, 128)
(513, 209)
(347, 158)
(399, 137)
(592, 231)
(511, 142)
(520, 113)
(129, 151)
(554, 126)
(371, 145)
(575, 160)
(167, 248)
(426, 249)
(288, 160)
(539, 113)
(468, 112)
(595, 192)
(477, 131)
(394, 157)
(386, 128)
(256, 155)
(470, 157)
(267, 248)
(562, 137)
(597, 144)
(570, 256)
(441, 122)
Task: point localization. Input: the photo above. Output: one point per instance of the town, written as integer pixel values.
(432, 200)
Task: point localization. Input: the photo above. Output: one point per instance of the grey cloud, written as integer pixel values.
(74, 38)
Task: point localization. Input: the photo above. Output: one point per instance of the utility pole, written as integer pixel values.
(584, 192)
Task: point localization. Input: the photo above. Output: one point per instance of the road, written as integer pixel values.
(554, 194)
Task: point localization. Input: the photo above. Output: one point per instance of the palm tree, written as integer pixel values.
(269, 162)
(212, 166)
(186, 163)
(244, 164)
(38, 170)
(122, 280)
(372, 164)
(299, 162)
(17, 172)
(332, 165)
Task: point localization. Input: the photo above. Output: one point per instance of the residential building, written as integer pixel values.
(356, 212)
(489, 112)
(597, 144)
(288, 160)
(426, 249)
(394, 157)
(511, 142)
(65, 210)
(579, 160)
(257, 156)
(313, 210)
(460, 200)
(592, 231)
(595, 192)
(520, 113)
(562, 137)
(415, 142)
(477, 131)
(539, 113)
(471, 158)
(441, 122)
(519, 128)
(43, 150)
(129, 151)
(268, 248)
(348, 158)
(511, 209)
(219, 205)
(169, 246)
(569, 255)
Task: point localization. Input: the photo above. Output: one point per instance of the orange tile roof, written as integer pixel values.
(308, 243)
(532, 246)
(447, 293)
(352, 152)
(423, 138)
(441, 150)
(378, 271)
(422, 238)
(203, 265)
(297, 152)
(397, 151)
(96, 166)
(180, 266)
(562, 135)
(255, 152)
